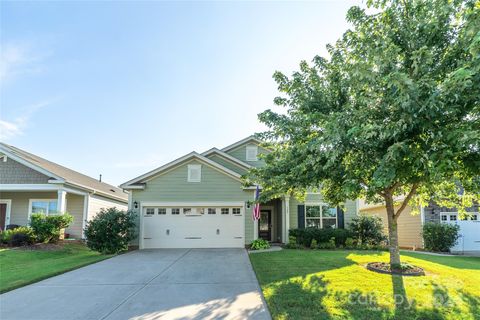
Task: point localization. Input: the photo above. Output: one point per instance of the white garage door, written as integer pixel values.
(469, 231)
(193, 226)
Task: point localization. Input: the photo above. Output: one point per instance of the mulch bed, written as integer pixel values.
(405, 270)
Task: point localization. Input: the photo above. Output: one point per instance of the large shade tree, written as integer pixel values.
(392, 115)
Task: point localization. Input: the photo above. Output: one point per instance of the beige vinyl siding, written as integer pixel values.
(96, 202)
(228, 164)
(240, 152)
(13, 172)
(409, 226)
(20, 202)
(75, 205)
(214, 186)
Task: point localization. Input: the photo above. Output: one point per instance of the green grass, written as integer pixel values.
(307, 284)
(21, 267)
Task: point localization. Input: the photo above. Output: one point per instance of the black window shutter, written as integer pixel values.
(301, 216)
(340, 218)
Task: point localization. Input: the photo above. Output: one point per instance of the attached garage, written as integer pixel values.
(469, 231)
(193, 225)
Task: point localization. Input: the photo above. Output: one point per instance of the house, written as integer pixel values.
(199, 201)
(410, 225)
(30, 184)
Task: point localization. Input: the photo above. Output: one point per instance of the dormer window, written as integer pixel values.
(252, 152)
(194, 173)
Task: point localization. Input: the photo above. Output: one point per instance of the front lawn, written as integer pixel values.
(307, 284)
(21, 267)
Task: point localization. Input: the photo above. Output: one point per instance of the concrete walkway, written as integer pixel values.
(147, 284)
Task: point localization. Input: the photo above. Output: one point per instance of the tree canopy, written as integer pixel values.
(393, 111)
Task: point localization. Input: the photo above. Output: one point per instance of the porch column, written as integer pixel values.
(62, 201)
(286, 217)
(255, 222)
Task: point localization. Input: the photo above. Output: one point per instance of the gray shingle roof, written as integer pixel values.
(70, 176)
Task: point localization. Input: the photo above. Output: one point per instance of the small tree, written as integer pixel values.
(367, 229)
(48, 229)
(111, 230)
(394, 113)
(440, 236)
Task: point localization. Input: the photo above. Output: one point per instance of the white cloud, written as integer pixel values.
(17, 59)
(10, 129)
(17, 126)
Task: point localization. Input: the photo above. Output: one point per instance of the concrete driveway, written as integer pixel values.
(147, 284)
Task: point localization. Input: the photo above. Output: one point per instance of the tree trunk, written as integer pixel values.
(392, 233)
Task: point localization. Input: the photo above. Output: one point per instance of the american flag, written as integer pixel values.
(256, 208)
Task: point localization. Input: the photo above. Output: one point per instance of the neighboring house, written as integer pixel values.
(410, 225)
(30, 184)
(199, 200)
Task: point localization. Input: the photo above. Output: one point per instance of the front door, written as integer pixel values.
(3, 215)
(265, 225)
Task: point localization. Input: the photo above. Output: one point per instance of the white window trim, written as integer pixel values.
(320, 204)
(458, 217)
(251, 147)
(8, 209)
(30, 202)
(194, 167)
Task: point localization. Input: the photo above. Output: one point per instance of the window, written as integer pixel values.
(453, 217)
(194, 173)
(252, 152)
(175, 211)
(317, 216)
(150, 211)
(212, 211)
(162, 210)
(225, 210)
(47, 207)
(201, 210)
(187, 210)
(474, 217)
(444, 217)
(235, 210)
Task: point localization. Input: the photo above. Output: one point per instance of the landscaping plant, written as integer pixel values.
(440, 236)
(19, 236)
(305, 237)
(367, 230)
(48, 229)
(111, 230)
(392, 113)
(259, 244)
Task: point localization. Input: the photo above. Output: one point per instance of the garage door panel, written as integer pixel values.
(193, 230)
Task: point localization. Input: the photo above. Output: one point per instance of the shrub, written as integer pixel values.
(305, 236)
(440, 236)
(19, 236)
(313, 244)
(259, 244)
(111, 230)
(350, 243)
(292, 243)
(367, 230)
(47, 229)
(328, 245)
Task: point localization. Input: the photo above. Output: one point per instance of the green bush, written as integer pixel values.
(259, 244)
(111, 230)
(367, 230)
(313, 244)
(328, 245)
(304, 237)
(350, 243)
(48, 229)
(440, 236)
(18, 237)
(292, 243)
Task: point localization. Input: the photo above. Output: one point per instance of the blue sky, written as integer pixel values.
(120, 88)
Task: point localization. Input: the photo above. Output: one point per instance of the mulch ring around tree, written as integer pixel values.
(404, 270)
